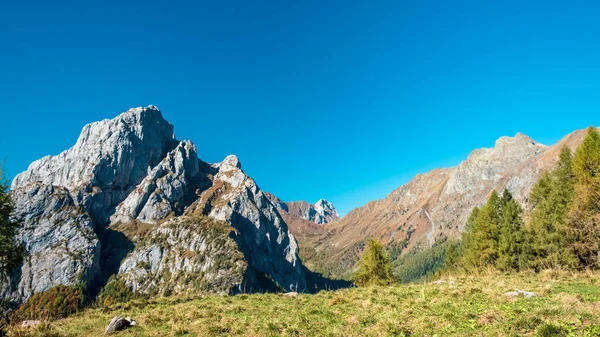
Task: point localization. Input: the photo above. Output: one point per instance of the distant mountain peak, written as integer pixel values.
(326, 209)
(320, 213)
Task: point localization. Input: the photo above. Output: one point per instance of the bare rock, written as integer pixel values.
(526, 294)
(30, 323)
(185, 255)
(268, 245)
(119, 323)
(320, 213)
(60, 243)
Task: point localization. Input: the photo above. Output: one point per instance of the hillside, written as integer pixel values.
(565, 305)
(435, 205)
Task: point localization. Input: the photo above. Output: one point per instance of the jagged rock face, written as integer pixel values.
(59, 239)
(236, 199)
(108, 161)
(132, 169)
(185, 256)
(437, 204)
(167, 188)
(327, 212)
(321, 212)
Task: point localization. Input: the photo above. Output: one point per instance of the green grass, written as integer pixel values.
(567, 305)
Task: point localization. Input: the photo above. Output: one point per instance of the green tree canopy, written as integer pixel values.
(11, 254)
(512, 235)
(583, 229)
(374, 266)
(550, 200)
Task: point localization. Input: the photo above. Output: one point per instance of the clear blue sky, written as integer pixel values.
(336, 99)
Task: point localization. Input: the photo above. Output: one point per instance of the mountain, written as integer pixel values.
(118, 201)
(306, 221)
(320, 213)
(435, 205)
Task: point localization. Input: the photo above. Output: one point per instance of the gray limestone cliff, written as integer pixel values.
(132, 170)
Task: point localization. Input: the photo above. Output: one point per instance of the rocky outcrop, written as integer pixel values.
(59, 239)
(167, 189)
(235, 198)
(132, 170)
(321, 212)
(108, 161)
(185, 255)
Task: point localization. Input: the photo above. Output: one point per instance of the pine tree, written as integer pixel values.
(11, 253)
(583, 229)
(374, 266)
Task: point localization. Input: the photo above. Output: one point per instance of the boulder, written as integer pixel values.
(119, 323)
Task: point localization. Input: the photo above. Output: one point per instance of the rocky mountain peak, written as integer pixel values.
(326, 209)
(131, 170)
(519, 139)
(320, 213)
(230, 163)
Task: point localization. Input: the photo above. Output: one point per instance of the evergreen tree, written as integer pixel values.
(453, 256)
(481, 244)
(374, 266)
(550, 201)
(11, 254)
(583, 229)
(467, 242)
(511, 235)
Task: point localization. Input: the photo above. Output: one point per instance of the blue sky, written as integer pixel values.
(341, 100)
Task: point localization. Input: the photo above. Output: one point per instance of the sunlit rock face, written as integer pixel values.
(320, 213)
(132, 169)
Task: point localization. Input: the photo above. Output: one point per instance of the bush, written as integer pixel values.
(115, 291)
(56, 302)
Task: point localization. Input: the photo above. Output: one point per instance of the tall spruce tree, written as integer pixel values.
(11, 253)
(583, 228)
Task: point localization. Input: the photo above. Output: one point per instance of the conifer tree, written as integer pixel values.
(550, 201)
(511, 235)
(583, 229)
(11, 253)
(481, 247)
(374, 266)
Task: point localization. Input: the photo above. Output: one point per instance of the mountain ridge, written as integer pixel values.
(434, 205)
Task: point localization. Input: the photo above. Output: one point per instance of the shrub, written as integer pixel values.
(115, 291)
(56, 302)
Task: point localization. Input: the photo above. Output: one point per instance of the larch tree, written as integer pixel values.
(374, 267)
(583, 228)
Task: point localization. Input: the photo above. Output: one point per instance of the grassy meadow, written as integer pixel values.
(568, 304)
